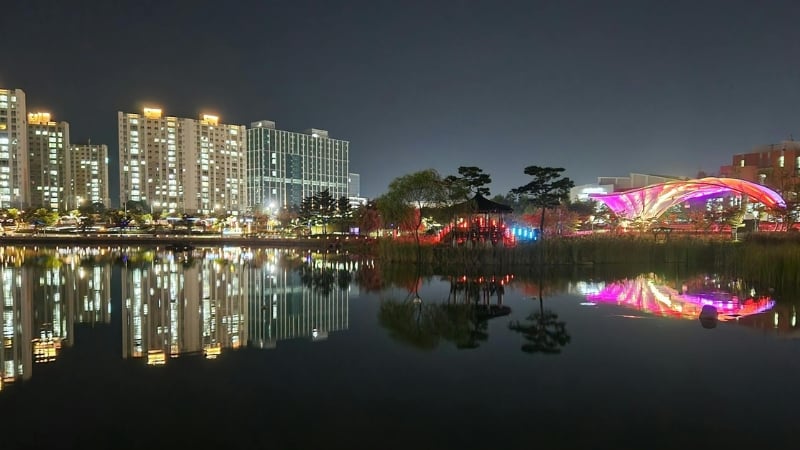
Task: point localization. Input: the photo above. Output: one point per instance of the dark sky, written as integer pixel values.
(601, 88)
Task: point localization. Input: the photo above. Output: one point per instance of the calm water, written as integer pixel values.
(246, 348)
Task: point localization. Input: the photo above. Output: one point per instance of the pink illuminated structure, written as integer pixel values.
(650, 202)
(649, 294)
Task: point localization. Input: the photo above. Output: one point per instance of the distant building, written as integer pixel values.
(775, 165)
(48, 161)
(89, 170)
(284, 167)
(354, 190)
(353, 185)
(581, 193)
(14, 170)
(180, 165)
(635, 180)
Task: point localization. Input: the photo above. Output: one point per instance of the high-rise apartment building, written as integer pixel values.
(182, 165)
(14, 171)
(48, 160)
(284, 167)
(89, 170)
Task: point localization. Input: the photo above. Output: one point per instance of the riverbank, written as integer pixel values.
(319, 243)
(771, 257)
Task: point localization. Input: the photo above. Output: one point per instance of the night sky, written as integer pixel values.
(601, 88)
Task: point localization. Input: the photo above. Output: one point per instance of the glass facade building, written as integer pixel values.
(284, 167)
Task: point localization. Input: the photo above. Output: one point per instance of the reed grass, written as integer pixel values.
(772, 258)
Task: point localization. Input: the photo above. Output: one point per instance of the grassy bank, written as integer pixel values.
(771, 258)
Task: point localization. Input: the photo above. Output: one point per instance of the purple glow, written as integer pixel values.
(652, 201)
(649, 294)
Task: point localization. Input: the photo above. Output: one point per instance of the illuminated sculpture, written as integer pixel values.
(650, 202)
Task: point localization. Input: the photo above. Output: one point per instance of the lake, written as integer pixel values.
(125, 347)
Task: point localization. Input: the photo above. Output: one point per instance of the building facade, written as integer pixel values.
(89, 170)
(354, 191)
(284, 167)
(634, 181)
(775, 165)
(14, 171)
(181, 165)
(48, 161)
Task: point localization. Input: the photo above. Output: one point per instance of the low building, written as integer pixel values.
(775, 165)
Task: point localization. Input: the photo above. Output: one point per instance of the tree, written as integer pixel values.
(544, 333)
(285, 216)
(14, 214)
(44, 217)
(326, 208)
(393, 211)
(548, 188)
(419, 190)
(344, 212)
(308, 211)
(368, 218)
(471, 181)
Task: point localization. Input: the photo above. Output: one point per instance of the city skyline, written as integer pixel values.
(600, 90)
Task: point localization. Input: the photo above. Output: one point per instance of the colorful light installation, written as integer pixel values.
(646, 293)
(650, 202)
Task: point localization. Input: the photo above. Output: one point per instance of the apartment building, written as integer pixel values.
(14, 171)
(48, 160)
(181, 165)
(89, 170)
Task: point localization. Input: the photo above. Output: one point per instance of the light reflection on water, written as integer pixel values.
(354, 336)
(653, 294)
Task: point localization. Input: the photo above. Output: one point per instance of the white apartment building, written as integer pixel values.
(89, 170)
(181, 165)
(14, 171)
(48, 160)
(284, 167)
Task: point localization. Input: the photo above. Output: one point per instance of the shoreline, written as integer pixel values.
(329, 242)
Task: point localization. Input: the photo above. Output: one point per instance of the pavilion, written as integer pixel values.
(479, 221)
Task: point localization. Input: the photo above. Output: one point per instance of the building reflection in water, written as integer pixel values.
(204, 301)
(654, 295)
(307, 302)
(43, 294)
(173, 304)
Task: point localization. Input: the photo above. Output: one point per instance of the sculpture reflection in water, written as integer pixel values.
(542, 330)
(461, 319)
(653, 294)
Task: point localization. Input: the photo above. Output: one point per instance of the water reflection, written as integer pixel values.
(42, 296)
(542, 330)
(173, 303)
(655, 295)
(461, 319)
